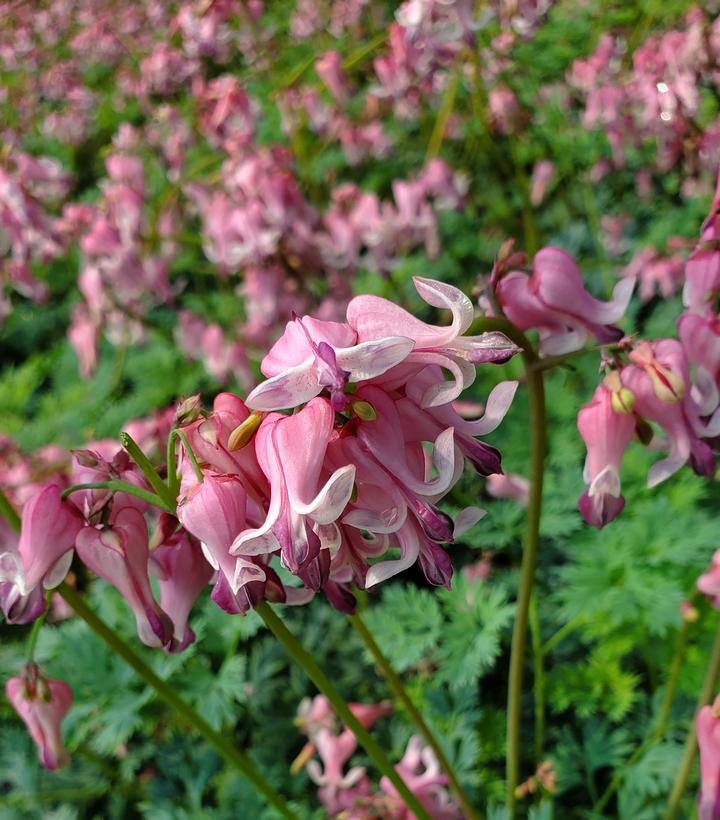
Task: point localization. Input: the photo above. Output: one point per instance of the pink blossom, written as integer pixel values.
(374, 318)
(502, 485)
(607, 426)
(709, 582)
(119, 554)
(554, 301)
(42, 703)
(329, 69)
(542, 175)
(44, 551)
(707, 729)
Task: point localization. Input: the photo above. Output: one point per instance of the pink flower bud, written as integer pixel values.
(42, 703)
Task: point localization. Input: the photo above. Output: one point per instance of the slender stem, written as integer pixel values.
(8, 512)
(309, 665)
(538, 678)
(34, 633)
(361, 53)
(538, 436)
(706, 695)
(167, 693)
(122, 487)
(173, 477)
(400, 692)
(438, 132)
(191, 456)
(562, 633)
(150, 473)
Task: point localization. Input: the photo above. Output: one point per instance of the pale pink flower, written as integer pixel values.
(709, 582)
(506, 485)
(707, 729)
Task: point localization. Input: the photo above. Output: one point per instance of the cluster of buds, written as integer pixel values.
(350, 794)
(544, 780)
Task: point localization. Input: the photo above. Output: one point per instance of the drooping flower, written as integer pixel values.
(607, 426)
(44, 551)
(554, 301)
(302, 512)
(119, 554)
(42, 703)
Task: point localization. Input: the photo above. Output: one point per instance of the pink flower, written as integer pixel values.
(660, 381)
(215, 511)
(44, 551)
(329, 69)
(119, 554)
(501, 485)
(700, 338)
(607, 426)
(554, 301)
(702, 270)
(420, 770)
(301, 518)
(709, 582)
(182, 572)
(313, 355)
(374, 318)
(42, 703)
(542, 174)
(707, 729)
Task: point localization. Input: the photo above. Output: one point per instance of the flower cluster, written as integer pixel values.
(350, 794)
(359, 468)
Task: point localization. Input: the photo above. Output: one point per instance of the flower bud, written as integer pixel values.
(188, 410)
(364, 410)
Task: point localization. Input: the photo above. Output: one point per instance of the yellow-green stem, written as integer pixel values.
(536, 390)
(401, 693)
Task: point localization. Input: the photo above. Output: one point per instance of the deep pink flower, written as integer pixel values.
(182, 572)
(700, 338)
(44, 551)
(660, 382)
(42, 703)
(119, 554)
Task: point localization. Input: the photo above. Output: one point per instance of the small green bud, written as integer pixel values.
(364, 410)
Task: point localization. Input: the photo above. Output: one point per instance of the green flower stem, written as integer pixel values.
(220, 743)
(150, 473)
(538, 678)
(538, 440)
(191, 455)
(8, 512)
(683, 774)
(446, 108)
(35, 632)
(173, 477)
(400, 692)
(123, 487)
(308, 664)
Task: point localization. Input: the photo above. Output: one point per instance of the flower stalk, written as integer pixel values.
(538, 443)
